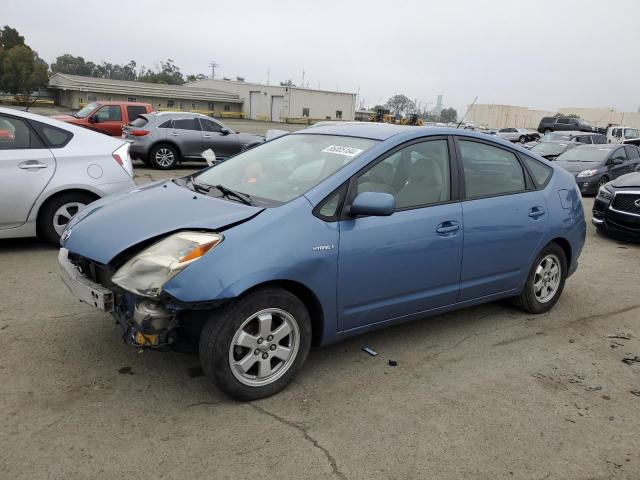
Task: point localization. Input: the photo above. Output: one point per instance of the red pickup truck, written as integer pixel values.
(106, 117)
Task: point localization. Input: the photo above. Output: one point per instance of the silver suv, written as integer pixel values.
(166, 138)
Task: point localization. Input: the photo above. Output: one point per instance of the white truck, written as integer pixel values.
(621, 134)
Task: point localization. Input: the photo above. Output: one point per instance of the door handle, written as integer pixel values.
(174, 134)
(29, 164)
(536, 212)
(206, 136)
(448, 227)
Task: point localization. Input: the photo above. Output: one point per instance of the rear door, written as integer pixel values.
(186, 133)
(223, 145)
(504, 219)
(26, 167)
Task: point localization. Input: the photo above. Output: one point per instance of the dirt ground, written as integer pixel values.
(483, 393)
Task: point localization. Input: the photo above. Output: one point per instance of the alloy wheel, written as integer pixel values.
(165, 157)
(546, 281)
(62, 216)
(264, 347)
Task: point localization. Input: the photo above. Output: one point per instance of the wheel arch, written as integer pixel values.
(566, 248)
(45, 201)
(307, 297)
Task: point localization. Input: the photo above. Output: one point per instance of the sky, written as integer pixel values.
(544, 54)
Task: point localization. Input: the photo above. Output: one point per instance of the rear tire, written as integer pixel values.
(522, 139)
(545, 281)
(244, 347)
(57, 211)
(163, 157)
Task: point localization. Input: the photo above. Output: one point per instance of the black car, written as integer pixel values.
(554, 124)
(617, 206)
(551, 150)
(595, 165)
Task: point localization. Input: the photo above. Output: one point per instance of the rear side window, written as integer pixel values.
(490, 170)
(541, 172)
(563, 120)
(54, 136)
(186, 124)
(134, 110)
(15, 134)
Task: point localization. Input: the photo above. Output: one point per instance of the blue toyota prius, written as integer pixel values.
(322, 234)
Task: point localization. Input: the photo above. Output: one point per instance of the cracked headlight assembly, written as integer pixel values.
(148, 272)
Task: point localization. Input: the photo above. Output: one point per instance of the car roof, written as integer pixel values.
(601, 146)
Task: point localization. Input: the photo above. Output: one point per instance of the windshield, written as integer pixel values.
(549, 148)
(585, 154)
(287, 167)
(631, 133)
(550, 137)
(83, 112)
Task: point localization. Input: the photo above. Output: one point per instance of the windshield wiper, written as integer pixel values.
(200, 187)
(227, 192)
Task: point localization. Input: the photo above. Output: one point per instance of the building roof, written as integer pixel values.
(220, 83)
(63, 81)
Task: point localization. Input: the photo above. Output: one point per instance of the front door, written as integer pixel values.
(223, 145)
(186, 133)
(618, 163)
(409, 262)
(26, 167)
(108, 120)
(504, 220)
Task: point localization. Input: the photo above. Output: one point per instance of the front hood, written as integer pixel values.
(66, 118)
(628, 180)
(117, 222)
(576, 167)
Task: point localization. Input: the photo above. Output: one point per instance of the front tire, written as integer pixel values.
(163, 157)
(603, 181)
(57, 211)
(256, 345)
(545, 282)
(522, 139)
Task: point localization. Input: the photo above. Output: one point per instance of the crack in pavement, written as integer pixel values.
(307, 436)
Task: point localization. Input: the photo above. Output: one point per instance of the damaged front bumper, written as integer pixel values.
(145, 323)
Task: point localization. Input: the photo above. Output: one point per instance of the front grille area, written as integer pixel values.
(626, 202)
(95, 271)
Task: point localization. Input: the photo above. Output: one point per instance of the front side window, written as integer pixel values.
(14, 134)
(416, 175)
(619, 155)
(210, 126)
(287, 167)
(84, 112)
(490, 170)
(186, 124)
(109, 113)
(632, 152)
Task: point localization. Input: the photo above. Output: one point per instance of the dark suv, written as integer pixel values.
(554, 124)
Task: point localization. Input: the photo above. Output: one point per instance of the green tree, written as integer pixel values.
(22, 71)
(193, 78)
(9, 38)
(449, 115)
(71, 65)
(168, 73)
(400, 104)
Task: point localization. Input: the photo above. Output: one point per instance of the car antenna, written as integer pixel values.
(35, 99)
(467, 112)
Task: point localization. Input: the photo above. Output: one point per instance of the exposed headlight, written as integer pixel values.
(587, 173)
(148, 272)
(605, 194)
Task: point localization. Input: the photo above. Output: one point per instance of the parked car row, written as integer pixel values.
(521, 135)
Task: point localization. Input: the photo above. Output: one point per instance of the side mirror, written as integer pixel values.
(94, 119)
(618, 161)
(375, 204)
(225, 131)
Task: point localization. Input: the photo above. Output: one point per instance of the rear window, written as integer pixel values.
(54, 136)
(139, 122)
(134, 110)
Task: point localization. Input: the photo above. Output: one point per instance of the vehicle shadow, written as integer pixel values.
(25, 244)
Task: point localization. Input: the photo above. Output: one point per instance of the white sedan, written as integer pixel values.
(49, 170)
(521, 135)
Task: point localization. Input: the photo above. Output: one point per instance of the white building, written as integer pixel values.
(281, 103)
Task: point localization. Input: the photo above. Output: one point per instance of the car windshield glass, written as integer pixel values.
(631, 133)
(550, 137)
(83, 112)
(285, 168)
(549, 148)
(587, 154)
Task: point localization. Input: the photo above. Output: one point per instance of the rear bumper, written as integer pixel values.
(139, 152)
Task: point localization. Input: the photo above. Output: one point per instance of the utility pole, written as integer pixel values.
(268, 73)
(213, 66)
(303, 72)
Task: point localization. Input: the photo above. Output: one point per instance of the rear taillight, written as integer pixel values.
(138, 133)
(121, 155)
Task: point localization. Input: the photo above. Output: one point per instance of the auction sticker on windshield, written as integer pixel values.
(340, 150)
